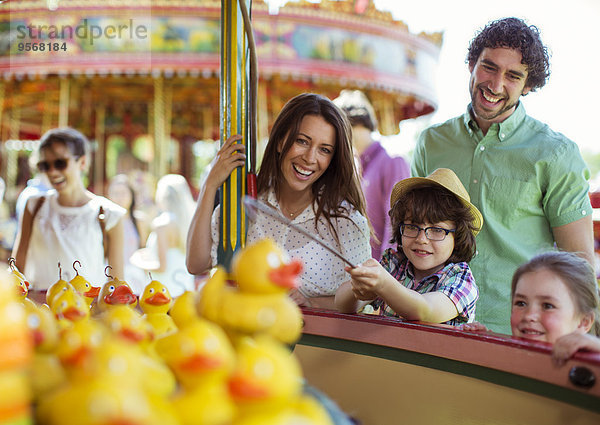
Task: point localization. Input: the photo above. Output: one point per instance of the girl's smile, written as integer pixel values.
(543, 309)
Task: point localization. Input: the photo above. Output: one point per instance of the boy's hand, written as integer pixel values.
(363, 294)
(367, 279)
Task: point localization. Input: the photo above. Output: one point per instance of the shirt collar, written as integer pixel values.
(505, 128)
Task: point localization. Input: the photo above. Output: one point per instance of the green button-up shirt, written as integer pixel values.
(524, 178)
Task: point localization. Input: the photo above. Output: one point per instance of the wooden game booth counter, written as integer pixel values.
(389, 371)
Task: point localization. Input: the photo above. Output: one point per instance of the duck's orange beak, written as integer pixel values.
(242, 388)
(286, 275)
(93, 292)
(121, 295)
(200, 363)
(78, 356)
(158, 299)
(72, 314)
(131, 335)
(38, 337)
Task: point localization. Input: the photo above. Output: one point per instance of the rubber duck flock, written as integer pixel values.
(216, 356)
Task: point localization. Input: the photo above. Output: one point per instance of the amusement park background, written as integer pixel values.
(153, 107)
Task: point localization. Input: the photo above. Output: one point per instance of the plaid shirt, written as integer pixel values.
(454, 280)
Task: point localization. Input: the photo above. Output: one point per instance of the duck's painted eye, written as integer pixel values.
(111, 288)
(164, 290)
(151, 290)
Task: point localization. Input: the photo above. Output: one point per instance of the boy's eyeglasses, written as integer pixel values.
(58, 164)
(431, 233)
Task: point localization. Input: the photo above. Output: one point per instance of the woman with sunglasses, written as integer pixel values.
(68, 222)
(427, 279)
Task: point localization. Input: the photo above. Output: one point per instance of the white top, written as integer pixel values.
(67, 234)
(175, 277)
(323, 272)
(135, 277)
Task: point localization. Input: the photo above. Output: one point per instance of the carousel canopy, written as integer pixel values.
(113, 52)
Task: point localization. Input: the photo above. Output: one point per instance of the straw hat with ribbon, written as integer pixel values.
(445, 178)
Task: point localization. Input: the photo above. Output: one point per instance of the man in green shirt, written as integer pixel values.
(529, 182)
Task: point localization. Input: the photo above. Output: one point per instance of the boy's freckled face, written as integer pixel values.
(427, 257)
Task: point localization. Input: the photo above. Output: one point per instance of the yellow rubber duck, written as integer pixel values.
(57, 288)
(112, 393)
(264, 268)
(115, 292)
(199, 353)
(46, 373)
(267, 376)
(202, 359)
(42, 325)
(184, 310)
(260, 303)
(76, 345)
(84, 287)
(19, 279)
(15, 355)
(155, 302)
(70, 305)
(129, 324)
(267, 386)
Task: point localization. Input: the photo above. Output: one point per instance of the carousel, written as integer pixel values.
(141, 79)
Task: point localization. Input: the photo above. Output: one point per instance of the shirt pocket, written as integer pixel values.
(509, 200)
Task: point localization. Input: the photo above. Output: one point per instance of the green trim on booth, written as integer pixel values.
(482, 373)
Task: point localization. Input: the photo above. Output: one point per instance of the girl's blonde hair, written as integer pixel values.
(577, 275)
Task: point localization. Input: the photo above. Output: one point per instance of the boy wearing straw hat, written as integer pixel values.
(427, 277)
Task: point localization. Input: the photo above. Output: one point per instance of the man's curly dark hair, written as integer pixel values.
(514, 33)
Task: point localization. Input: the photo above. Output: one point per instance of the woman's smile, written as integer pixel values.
(309, 155)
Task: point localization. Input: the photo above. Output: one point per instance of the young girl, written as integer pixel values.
(555, 299)
(428, 278)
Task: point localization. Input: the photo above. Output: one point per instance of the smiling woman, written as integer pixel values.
(308, 174)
